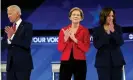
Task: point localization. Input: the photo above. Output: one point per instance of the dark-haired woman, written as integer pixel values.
(107, 40)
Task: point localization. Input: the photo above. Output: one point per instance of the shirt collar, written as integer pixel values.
(18, 22)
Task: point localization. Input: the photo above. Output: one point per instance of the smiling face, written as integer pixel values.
(76, 16)
(107, 16)
(13, 14)
(110, 18)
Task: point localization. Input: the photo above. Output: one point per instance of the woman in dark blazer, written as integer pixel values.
(107, 39)
(74, 42)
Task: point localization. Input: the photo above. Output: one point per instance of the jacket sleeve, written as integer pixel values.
(100, 38)
(85, 44)
(25, 41)
(4, 43)
(117, 36)
(61, 43)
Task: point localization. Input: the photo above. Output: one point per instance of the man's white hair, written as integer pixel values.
(15, 7)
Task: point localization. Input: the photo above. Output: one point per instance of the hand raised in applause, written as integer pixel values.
(9, 31)
(66, 34)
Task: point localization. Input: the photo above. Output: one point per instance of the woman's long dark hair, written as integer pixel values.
(104, 14)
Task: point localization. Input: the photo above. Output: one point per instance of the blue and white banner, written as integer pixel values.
(54, 39)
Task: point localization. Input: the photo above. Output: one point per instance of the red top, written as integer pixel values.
(79, 49)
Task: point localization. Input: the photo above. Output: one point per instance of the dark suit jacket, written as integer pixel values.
(19, 52)
(108, 47)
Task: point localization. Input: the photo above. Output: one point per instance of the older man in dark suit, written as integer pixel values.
(17, 39)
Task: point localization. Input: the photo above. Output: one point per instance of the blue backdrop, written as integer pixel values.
(44, 52)
(53, 14)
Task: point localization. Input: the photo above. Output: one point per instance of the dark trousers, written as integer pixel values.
(77, 68)
(110, 73)
(25, 75)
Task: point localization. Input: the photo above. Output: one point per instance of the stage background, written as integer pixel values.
(53, 14)
(50, 16)
(44, 52)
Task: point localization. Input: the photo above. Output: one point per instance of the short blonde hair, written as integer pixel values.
(15, 7)
(78, 9)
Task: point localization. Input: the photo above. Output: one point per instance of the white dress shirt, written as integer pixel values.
(17, 25)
